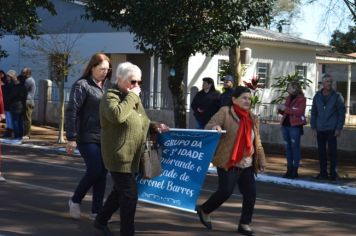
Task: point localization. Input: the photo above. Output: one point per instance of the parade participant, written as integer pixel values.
(238, 157)
(83, 130)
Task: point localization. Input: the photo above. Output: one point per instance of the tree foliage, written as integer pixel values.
(344, 42)
(20, 18)
(283, 13)
(174, 30)
(281, 84)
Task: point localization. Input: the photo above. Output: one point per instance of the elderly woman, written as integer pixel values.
(238, 157)
(124, 129)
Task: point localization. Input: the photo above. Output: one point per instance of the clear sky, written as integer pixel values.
(310, 25)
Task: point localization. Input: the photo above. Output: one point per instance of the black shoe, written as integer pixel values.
(334, 177)
(103, 228)
(321, 177)
(245, 230)
(204, 218)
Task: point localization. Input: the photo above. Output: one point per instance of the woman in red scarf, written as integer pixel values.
(238, 157)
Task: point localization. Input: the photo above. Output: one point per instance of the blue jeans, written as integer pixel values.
(245, 180)
(327, 139)
(95, 176)
(291, 137)
(8, 119)
(17, 124)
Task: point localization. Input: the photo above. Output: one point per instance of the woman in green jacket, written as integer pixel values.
(124, 126)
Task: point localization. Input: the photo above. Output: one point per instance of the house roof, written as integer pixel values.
(266, 35)
(329, 56)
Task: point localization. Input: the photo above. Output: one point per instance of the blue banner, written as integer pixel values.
(186, 155)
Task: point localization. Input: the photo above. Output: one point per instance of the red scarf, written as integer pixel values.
(243, 143)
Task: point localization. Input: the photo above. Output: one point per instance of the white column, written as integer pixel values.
(348, 89)
(152, 82)
(159, 85)
(317, 74)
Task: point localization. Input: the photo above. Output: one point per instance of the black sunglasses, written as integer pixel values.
(133, 82)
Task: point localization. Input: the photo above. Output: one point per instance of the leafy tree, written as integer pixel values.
(281, 84)
(283, 13)
(176, 29)
(344, 42)
(20, 18)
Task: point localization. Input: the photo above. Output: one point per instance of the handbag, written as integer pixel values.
(151, 161)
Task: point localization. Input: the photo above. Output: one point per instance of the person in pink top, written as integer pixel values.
(292, 126)
(2, 116)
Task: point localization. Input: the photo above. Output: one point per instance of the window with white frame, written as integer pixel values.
(223, 69)
(302, 71)
(262, 71)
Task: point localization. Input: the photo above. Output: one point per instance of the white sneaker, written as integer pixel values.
(92, 216)
(74, 209)
(2, 179)
(14, 141)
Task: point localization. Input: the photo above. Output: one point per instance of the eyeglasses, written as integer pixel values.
(133, 82)
(104, 69)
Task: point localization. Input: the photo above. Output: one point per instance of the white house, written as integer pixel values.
(272, 55)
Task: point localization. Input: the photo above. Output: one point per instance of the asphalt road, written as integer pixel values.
(33, 201)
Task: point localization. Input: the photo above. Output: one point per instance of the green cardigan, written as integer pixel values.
(124, 127)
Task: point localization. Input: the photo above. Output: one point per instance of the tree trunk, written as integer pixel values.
(61, 113)
(177, 88)
(235, 63)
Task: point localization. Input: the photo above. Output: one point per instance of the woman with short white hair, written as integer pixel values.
(124, 124)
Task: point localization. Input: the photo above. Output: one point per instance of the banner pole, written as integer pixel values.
(198, 130)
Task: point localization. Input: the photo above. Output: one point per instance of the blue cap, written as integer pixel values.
(229, 78)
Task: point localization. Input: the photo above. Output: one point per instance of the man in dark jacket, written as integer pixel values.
(225, 98)
(327, 121)
(17, 104)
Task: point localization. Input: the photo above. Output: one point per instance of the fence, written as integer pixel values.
(163, 101)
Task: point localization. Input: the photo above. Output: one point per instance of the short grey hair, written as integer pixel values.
(326, 76)
(126, 69)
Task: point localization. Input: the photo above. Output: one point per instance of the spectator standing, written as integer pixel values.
(17, 105)
(2, 116)
(124, 129)
(205, 103)
(292, 122)
(238, 157)
(83, 130)
(2, 106)
(30, 85)
(225, 98)
(327, 121)
(6, 87)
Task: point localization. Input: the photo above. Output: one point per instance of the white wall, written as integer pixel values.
(86, 45)
(283, 61)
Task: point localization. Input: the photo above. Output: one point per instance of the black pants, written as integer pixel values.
(123, 196)
(245, 180)
(327, 141)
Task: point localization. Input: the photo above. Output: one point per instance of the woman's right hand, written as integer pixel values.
(71, 146)
(136, 90)
(217, 128)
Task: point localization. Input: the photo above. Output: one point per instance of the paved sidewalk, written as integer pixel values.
(46, 137)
